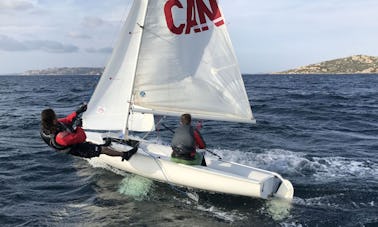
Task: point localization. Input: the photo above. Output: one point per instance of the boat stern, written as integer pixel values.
(277, 187)
(285, 190)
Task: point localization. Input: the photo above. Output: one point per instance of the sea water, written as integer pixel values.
(318, 131)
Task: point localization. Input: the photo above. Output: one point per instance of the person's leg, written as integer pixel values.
(110, 152)
(125, 155)
(203, 163)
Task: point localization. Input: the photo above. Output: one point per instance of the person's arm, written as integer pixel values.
(68, 138)
(71, 117)
(200, 143)
(68, 120)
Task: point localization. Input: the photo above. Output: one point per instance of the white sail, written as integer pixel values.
(172, 57)
(187, 64)
(108, 108)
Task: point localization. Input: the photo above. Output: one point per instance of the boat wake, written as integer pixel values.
(299, 165)
(228, 216)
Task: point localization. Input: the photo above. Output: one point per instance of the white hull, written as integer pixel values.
(153, 161)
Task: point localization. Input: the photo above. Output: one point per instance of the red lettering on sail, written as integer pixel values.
(198, 15)
(169, 16)
(190, 16)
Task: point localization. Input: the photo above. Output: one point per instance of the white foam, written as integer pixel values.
(298, 164)
(97, 163)
(135, 186)
(292, 224)
(338, 167)
(229, 216)
(278, 209)
(131, 185)
(327, 201)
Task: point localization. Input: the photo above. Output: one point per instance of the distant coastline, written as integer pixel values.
(95, 71)
(356, 64)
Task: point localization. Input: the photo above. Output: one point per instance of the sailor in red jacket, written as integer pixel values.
(60, 135)
(70, 137)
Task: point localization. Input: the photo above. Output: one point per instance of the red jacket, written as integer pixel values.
(200, 143)
(67, 138)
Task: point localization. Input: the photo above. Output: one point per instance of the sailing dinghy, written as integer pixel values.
(175, 57)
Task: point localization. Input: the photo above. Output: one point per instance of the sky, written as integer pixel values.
(268, 35)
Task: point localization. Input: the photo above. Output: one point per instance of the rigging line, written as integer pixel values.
(190, 195)
(156, 125)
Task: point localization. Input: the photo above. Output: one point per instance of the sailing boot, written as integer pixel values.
(127, 155)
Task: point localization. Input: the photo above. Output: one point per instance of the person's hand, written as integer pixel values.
(199, 125)
(81, 109)
(79, 122)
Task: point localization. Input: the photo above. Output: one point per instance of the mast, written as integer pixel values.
(141, 26)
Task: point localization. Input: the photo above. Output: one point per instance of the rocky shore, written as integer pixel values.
(357, 64)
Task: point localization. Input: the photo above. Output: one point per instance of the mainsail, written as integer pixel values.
(173, 57)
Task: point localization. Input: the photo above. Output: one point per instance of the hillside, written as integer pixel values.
(65, 71)
(357, 64)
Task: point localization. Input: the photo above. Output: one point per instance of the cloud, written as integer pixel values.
(105, 50)
(10, 44)
(92, 22)
(76, 35)
(50, 46)
(16, 5)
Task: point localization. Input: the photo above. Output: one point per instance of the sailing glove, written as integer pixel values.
(78, 122)
(81, 109)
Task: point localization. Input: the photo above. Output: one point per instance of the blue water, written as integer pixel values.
(318, 131)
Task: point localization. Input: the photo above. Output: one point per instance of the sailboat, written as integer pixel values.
(174, 57)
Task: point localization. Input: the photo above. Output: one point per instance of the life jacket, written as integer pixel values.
(50, 138)
(183, 143)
